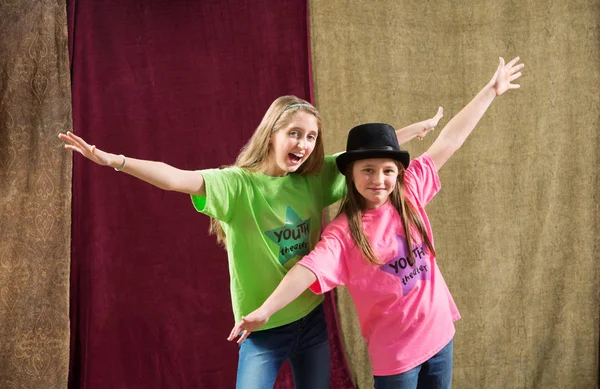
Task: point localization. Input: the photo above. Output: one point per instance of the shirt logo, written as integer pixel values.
(399, 266)
(293, 237)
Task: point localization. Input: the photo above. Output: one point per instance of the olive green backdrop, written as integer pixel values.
(516, 222)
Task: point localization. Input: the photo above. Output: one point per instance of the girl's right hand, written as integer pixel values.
(429, 124)
(248, 324)
(91, 152)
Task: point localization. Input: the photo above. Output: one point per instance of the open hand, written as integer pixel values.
(91, 152)
(505, 74)
(248, 324)
(429, 124)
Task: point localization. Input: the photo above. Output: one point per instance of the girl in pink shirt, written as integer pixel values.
(381, 248)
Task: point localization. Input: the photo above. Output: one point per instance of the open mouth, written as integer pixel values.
(295, 158)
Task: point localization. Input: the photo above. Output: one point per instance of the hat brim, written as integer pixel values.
(344, 159)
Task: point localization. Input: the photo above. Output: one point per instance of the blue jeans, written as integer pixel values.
(304, 342)
(434, 373)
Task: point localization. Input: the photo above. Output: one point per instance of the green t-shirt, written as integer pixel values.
(270, 223)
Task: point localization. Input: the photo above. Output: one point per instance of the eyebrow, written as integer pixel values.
(384, 166)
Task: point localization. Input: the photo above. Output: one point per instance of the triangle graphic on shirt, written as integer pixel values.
(293, 238)
(399, 266)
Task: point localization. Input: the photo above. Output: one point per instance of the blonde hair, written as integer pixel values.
(353, 206)
(255, 153)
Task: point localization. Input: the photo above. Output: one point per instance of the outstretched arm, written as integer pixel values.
(158, 174)
(419, 129)
(296, 281)
(454, 134)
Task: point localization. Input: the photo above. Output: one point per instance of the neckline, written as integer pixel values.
(378, 211)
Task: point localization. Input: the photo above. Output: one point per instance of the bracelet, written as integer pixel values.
(122, 166)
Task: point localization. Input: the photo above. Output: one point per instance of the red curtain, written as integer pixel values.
(184, 82)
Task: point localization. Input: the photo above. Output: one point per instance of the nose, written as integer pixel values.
(301, 142)
(378, 178)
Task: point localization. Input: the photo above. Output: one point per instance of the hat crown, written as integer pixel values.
(372, 140)
(372, 136)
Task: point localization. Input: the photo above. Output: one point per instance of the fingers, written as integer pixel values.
(514, 76)
(239, 330)
(67, 139)
(235, 331)
(77, 138)
(245, 334)
(501, 65)
(72, 139)
(73, 148)
(431, 123)
(513, 61)
(516, 68)
(514, 86)
(75, 143)
(82, 144)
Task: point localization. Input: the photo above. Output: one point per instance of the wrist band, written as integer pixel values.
(122, 166)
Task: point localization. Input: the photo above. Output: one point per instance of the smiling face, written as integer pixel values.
(375, 179)
(292, 144)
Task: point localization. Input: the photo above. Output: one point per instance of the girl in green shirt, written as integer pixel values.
(266, 209)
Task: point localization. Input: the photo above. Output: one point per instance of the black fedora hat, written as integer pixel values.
(372, 140)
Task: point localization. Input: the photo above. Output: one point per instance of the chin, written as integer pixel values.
(378, 201)
(293, 168)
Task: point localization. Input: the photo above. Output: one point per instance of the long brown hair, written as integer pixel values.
(255, 153)
(354, 205)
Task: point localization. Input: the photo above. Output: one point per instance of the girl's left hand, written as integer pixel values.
(505, 74)
(248, 324)
(429, 124)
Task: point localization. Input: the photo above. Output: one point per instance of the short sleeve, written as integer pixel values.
(421, 179)
(333, 182)
(222, 189)
(326, 260)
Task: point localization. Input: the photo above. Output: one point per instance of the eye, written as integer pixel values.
(293, 133)
(312, 138)
(390, 171)
(368, 170)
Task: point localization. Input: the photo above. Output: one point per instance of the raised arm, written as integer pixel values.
(296, 281)
(454, 134)
(158, 174)
(419, 129)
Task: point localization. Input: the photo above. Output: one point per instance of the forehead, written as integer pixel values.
(304, 121)
(375, 162)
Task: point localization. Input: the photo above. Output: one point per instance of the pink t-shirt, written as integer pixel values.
(406, 313)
